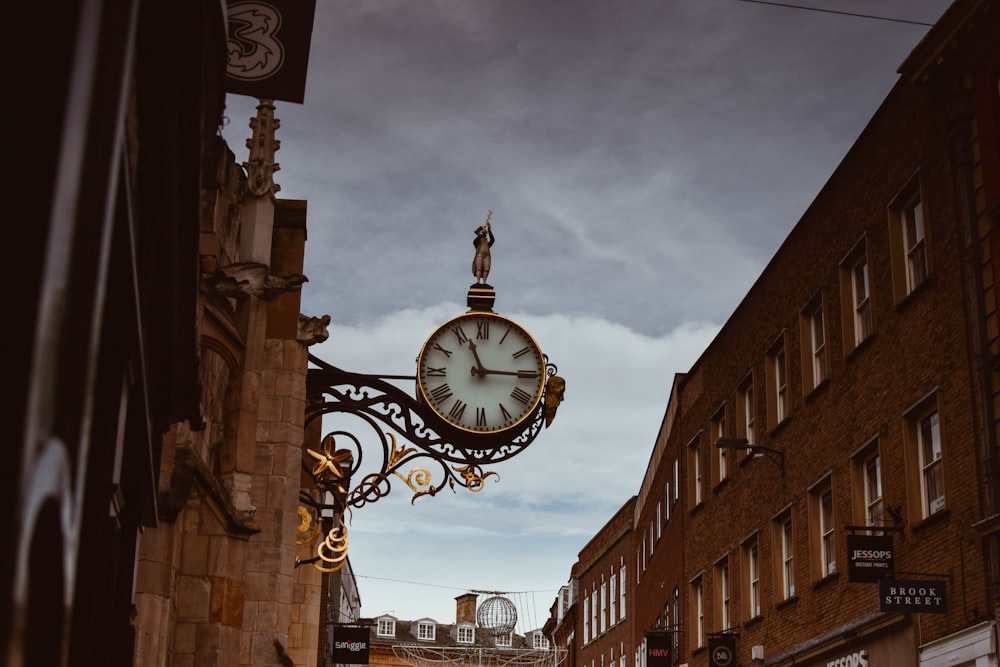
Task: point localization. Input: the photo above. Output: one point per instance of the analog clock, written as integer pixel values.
(481, 372)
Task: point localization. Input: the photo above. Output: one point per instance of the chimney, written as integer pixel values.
(465, 608)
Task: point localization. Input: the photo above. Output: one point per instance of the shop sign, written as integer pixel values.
(350, 645)
(855, 659)
(913, 597)
(869, 558)
(722, 651)
(658, 645)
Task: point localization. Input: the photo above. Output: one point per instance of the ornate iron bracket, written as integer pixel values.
(389, 411)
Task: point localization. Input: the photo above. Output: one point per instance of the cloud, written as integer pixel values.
(547, 501)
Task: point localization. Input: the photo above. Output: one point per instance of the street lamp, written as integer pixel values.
(752, 451)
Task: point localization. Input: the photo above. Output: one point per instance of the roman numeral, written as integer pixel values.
(457, 410)
(447, 353)
(520, 395)
(504, 336)
(529, 375)
(441, 392)
(481, 417)
(506, 415)
(520, 353)
(483, 330)
(441, 372)
(460, 334)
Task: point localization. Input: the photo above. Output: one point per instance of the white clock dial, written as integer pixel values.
(481, 372)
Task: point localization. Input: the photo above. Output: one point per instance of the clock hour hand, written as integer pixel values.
(478, 369)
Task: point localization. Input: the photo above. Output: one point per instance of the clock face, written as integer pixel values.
(481, 372)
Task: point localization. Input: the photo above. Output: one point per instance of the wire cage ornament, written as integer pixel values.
(497, 616)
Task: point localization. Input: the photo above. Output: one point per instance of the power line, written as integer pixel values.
(834, 11)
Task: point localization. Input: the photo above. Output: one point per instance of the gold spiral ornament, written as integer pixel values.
(332, 551)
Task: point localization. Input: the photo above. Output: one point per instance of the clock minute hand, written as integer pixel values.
(520, 374)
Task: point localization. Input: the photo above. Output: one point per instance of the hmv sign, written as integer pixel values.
(658, 646)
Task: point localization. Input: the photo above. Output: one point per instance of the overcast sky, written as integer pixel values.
(643, 161)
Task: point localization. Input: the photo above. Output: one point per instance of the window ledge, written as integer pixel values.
(697, 508)
(753, 621)
(820, 583)
(818, 390)
(787, 602)
(905, 302)
(935, 518)
(721, 483)
(856, 350)
(779, 427)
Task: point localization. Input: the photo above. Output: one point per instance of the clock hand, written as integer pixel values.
(520, 374)
(478, 369)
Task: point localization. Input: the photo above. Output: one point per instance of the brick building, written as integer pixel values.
(852, 393)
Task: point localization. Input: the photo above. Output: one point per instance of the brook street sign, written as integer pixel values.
(914, 597)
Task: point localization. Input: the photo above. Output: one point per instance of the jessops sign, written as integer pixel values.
(913, 597)
(869, 557)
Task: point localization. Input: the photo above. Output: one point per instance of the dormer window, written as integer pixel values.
(426, 631)
(504, 640)
(538, 640)
(466, 634)
(386, 627)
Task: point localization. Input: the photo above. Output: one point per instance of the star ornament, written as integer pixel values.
(327, 461)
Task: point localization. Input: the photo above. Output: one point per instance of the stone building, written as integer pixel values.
(161, 357)
(852, 394)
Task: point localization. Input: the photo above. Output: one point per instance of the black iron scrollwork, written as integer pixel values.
(389, 411)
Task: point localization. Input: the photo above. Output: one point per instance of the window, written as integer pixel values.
(720, 468)
(698, 612)
(506, 639)
(812, 333)
(823, 538)
(751, 564)
(666, 505)
(586, 619)
(593, 612)
(855, 287)
(745, 418)
(466, 634)
(924, 435)
(913, 240)
(724, 616)
(677, 480)
(604, 607)
(777, 383)
(426, 631)
(908, 241)
(694, 471)
(866, 465)
(873, 491)
(539, 640)
(675, 608)
(612, 598)
(621, 591)
(785, 548)
(659, 520)
(932, 482)
(386, 627)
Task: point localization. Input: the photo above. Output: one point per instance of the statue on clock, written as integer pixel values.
(483, 242)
